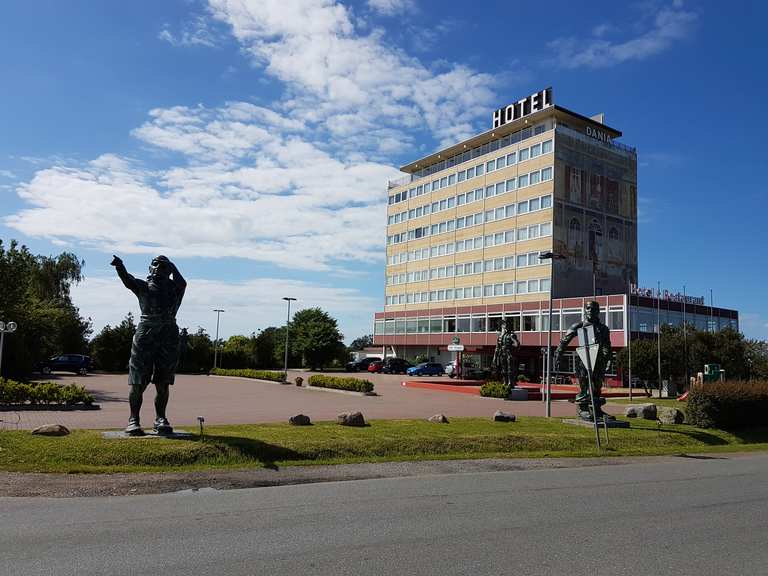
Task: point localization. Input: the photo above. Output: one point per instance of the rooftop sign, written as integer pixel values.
(528, 105)
(666, 295)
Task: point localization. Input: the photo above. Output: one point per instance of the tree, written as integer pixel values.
(270, 347)
(315, 337)
(362, 342)
(36, 295)
(239, 352)
(195, 352)
(757, 359)
(111, 348)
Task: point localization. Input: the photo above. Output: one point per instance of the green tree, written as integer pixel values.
(111, 348)
(239, 352)
(361, 343)
(195, 352)
(35, 293)
(315, 337)
(757, 359)
(270, 347)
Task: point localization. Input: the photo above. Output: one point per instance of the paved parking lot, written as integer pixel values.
(241, 401)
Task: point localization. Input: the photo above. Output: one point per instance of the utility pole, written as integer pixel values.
(658, 327)
(216, 342)
(287, 327)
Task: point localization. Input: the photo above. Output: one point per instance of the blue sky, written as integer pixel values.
(251, 141)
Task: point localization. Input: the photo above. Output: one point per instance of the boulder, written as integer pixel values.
(438, 419)
(668, 415)
(501, 416)
(51, 430)
(645, 411)
(351, 419)
(300, 420)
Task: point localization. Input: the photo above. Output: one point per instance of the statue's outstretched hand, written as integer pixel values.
(116, 261)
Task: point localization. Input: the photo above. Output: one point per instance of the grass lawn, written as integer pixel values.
(85, 451)
(671, 402)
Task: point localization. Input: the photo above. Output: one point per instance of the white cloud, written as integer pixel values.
(392, 7)
(669, 24)
(195, 32)
(250, 305)
(7, 174)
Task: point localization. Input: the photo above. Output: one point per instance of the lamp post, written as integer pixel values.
(5, 328)
(216, 342)
(551, 256)
(287, 327)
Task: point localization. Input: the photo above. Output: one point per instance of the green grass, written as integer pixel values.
(671, 402)
(85, 451)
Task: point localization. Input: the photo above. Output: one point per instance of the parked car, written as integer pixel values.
(395, 366)
(426, 369)
(76, 363)
(375, 367)
(468, 371)
(362, 364)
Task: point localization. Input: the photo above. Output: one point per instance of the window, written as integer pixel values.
(533, 285)
(533, 204)
(490, 166)
(616, 320)
(443, 182)
(510, 184)
(546, 174)
(501, 162)
(535, 176)
(521, 287)
(511, 158)
(461, 176)
(522, 155)
(522, 207)
(522, 181)
(488, 290)
(533, 259)
(546, 147)
(499, 188)
(522, 234)
(522, 260)
(479, 170)
(509, 236)
(509, 288)
(530, 323)
(535, 150)
(451, 179)
(544, 287)
(460, 200)
(494, 324)
(470, 173)
(546, 201)
(489, 190)
(546, 229)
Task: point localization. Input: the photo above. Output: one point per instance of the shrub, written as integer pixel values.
(523, 378)
(494, 389)
(341, 383)
(12, 392)
(250, 373)
(728, 405)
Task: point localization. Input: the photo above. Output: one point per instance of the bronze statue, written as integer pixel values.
(504, 357)
(603, 339)
(155, 347)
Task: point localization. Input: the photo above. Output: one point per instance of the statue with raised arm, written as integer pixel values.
(505, 356)
(603, 339)
(155, 347)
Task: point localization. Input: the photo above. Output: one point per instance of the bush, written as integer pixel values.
(728, 405)
(523, 378)
(341, 383)
(12, 392)
(250, 373)
(494, 389)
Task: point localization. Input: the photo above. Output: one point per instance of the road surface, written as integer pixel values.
(674, 516)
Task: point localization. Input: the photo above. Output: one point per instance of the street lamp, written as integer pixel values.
(287, 324)
(552, 256)
(9, 328)
(216, 342)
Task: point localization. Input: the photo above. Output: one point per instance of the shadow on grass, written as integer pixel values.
(102, 396)
(266, 454)
(697, 435)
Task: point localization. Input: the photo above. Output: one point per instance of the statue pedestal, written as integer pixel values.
(149, 434)
(518, 394)
(590, 424)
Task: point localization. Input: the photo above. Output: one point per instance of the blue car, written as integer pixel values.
(426, 369)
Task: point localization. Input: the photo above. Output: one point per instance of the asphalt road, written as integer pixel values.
(663, 516)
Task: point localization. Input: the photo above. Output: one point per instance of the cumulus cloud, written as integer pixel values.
(668, 25)
(195, 32)
(250, 305)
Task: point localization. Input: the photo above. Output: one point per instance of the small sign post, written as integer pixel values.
(457, 347)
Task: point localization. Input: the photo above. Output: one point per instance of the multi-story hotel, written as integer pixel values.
(467, 225)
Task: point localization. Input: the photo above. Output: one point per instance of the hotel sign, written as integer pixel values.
(522, 108)
(666, 295)
(599, 135)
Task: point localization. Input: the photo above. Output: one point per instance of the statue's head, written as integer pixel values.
(592, 311)
(507, 323)
(160, 268)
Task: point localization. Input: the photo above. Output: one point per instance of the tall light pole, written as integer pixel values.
(216, 342)
(551, 256)
(287, 327)
(658, 325)
(5, 328)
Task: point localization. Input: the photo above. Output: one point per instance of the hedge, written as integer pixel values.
(341, 383)
(494, 390)
(250, 373)
(728, 405)
(16, 393)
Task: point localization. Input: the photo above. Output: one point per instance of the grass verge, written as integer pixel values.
(86, 451)
(670, 402)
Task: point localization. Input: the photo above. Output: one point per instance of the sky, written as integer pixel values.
(251, 141)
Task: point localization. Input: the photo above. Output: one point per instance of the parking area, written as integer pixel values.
(222, 400)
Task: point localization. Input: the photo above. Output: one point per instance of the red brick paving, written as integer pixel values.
(241, 401)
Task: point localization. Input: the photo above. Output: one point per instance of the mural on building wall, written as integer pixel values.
(595, 210)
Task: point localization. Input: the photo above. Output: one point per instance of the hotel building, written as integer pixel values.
(467, 224)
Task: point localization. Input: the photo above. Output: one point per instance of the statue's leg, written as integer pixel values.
(166, 358)
(583, 402)
(135, 397)
(139, 373)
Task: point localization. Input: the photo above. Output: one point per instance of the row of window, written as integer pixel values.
(500, 213)
(473, 153)
(528, 321)
(510, 185)
(481, 291)
(478, 242)
(467, 268)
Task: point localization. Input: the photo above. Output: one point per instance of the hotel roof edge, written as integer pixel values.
(484, 137)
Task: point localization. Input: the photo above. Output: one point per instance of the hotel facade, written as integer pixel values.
(466, 227)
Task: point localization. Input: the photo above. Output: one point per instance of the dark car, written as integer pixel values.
(390, 366)
(426, 369)
(76, 363)
(362, 365)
